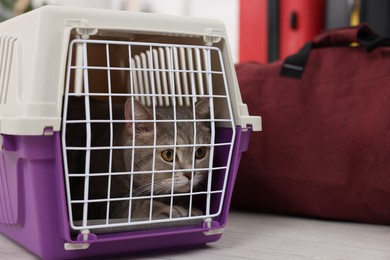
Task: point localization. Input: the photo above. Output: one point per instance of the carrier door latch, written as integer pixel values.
(83, 28)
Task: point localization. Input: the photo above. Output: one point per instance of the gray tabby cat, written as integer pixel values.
(164, 158)
(163, 175)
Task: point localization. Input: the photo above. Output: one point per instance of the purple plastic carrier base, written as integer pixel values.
(33, 209)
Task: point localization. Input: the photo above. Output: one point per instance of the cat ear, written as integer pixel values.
(140, 112)
(202, 108)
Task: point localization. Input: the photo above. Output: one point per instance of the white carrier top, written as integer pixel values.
(34, 51)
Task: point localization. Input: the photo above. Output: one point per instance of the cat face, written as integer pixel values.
(185, 168)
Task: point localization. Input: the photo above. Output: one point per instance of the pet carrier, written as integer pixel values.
(121, 132)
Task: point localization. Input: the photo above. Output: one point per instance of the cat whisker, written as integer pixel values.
(162, 187)
(142, 190)
(159, 187)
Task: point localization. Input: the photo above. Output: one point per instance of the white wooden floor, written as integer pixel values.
(258, 236)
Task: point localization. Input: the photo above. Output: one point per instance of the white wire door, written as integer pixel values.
(140, 133)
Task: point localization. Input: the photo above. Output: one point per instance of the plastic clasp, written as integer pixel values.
(84, 240)
(48, 131)
(212, 226)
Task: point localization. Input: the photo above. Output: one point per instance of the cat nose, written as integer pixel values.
(188, 175)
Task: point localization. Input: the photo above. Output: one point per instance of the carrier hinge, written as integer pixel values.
(84, 239)
(212, 227)
(212, 36)
(83, 28)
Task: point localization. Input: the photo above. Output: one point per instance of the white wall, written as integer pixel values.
(225, 10)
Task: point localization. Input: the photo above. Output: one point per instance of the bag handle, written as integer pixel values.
(294, 65)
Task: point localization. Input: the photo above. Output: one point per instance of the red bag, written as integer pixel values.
(325, 146)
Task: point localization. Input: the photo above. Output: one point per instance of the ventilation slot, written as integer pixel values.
(7, 44)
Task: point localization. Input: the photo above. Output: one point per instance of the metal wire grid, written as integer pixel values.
(164, 75)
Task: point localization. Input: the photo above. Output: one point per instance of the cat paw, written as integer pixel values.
(177, 212)
(196, 212)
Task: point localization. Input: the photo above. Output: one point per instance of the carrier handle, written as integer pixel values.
(294, 65)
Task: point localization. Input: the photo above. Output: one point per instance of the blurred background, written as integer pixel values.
(259, 30)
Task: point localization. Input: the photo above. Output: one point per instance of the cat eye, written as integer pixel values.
(200, 153)
(167, 155)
